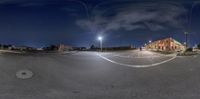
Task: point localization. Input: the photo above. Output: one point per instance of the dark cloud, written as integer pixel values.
(140, 15)
(27, 3)
(16, 1)
(31, 4)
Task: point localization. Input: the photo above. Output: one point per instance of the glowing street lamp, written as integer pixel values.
(100, 38)
(149, 41)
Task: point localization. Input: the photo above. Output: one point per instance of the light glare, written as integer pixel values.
(100, 38)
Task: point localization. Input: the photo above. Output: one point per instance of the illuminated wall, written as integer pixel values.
(167, 44)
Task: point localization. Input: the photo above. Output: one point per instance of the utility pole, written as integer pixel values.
(186, 39)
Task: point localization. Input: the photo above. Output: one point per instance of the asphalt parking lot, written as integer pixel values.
(95, 75)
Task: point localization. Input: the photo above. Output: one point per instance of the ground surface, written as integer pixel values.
(92, 75)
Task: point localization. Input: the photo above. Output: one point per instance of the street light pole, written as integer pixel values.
(186, 39)
(101, 41)
(101, 45)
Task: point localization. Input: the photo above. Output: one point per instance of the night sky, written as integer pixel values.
(39, 23)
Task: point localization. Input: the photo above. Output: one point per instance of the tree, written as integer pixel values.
(92, 47)
(198, 46)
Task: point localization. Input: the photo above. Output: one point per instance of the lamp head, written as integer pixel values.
(100, 38)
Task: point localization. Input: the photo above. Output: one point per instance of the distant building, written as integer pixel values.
(62, 47)
(79, 48)
(5, 47)
(59, 48)
(50, 48)
(39, 49)
(22, 48)
(129, 47)
(167, 44)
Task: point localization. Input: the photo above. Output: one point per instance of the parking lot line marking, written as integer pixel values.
(135, 57)
(136, 66)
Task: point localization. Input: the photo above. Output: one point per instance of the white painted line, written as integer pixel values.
(195, 56)
(136, 66)
(136, 56)
(139, 56)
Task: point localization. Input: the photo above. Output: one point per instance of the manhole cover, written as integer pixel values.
(24, 74)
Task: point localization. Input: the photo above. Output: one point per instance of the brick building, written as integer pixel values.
(167, 44)
(62, 47)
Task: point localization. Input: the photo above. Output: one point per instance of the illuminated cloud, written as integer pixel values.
(141, 15)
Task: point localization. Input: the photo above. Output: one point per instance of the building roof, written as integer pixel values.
(175, 41)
